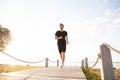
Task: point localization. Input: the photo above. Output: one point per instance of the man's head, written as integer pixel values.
(61, 26)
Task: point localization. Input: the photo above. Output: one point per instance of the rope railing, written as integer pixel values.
(85, 62)
(52, 61)
(46, 60)
(22, 60)
(111, 48)
(99, 56)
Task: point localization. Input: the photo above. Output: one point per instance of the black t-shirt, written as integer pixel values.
(61, 33)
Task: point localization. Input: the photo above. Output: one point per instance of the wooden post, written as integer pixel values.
(82, 63)
(107, 72)
(46, 62)
(86, 63)
(57, 63)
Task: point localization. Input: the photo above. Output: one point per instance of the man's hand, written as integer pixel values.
(67, 42)
(56, 37)
(60, 37)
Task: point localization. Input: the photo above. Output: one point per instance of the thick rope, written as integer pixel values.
(52, 61)
(22, 60)
(111, 48)
(99, 56)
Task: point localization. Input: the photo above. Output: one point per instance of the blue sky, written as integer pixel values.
(33, 24)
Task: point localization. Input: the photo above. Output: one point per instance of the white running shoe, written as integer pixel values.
(62, 66)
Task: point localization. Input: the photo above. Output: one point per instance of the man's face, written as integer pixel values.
(61, 27)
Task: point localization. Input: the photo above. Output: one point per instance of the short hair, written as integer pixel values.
(61, 24)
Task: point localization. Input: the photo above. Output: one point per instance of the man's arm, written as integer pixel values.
(67, 40)
(56, 37)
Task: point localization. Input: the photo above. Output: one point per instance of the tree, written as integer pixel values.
(5, 37)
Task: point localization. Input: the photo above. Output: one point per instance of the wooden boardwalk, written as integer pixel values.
(52, 73)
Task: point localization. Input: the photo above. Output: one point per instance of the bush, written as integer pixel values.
(90, 74)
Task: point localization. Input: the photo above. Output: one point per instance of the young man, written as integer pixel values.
(62, 39)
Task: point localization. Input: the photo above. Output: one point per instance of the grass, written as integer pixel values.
(11, 68)
(91, 74)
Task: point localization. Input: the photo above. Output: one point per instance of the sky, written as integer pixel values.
(33, 24)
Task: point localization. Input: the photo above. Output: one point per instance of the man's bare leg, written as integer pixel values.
(62, 56)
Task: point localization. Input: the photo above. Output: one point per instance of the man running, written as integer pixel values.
(62, 39)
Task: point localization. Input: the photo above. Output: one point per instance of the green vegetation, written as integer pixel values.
(90, 74)
(11, 68)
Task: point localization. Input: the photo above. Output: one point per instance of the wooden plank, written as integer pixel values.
(50, 73)
(107, 67)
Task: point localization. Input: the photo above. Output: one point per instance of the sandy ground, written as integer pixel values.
(116, 72)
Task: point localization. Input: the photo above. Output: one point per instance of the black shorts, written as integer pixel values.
(62, 46)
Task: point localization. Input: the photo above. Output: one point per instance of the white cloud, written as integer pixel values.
(115, 25)
(116, 0)
(107, 12)
(111, 28)
(108, 19)
(101, 20)
(105, 18)
(100, 0)
(116, 12)
(116, 21)
(105, 1)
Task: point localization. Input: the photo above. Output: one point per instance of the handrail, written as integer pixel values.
(99, 56)
(46, 60)
(21, 59)
(111, 48)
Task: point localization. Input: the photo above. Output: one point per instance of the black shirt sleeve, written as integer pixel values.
(57, 34)
(66, 33)
(63, 34)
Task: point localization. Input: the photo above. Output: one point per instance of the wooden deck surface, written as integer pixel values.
(52, 73)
